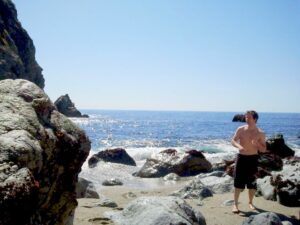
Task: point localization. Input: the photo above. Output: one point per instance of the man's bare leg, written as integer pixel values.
(251, 193)
(237, 192)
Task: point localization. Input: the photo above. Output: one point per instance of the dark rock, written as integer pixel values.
(277, 146)
(158, 211)
(86, 189)
(17, 52)
(267, 162)
(41, 154)
(183, 164)
(284, 185)
(267, 218)
(287, 184)
(239, 118)
(169, 151)
(116, 155)
(65, 106)
(196, 153)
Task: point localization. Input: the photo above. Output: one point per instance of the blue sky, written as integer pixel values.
(168, 54)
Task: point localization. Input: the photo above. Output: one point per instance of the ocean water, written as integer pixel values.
(144, 133)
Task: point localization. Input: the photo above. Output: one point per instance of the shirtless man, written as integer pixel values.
(249, 140)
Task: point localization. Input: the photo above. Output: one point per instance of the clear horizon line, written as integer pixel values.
(181, 110)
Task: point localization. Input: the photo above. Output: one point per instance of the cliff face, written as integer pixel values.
(41, 154)
(17, 52)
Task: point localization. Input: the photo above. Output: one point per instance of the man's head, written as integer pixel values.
(253, 114)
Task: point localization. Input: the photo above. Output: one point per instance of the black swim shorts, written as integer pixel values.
(245, 171)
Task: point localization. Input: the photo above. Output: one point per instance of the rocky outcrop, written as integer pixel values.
(116, 155)
(239, 118)
(267, 162)
(265, 188)
(278, 147)
(267, 218)
(65, 106)
(205, 185)
(283, 185)
(158, 211)
(17, 52)
(86, 189)
(41, 154)
(287, 184)
(183, 164)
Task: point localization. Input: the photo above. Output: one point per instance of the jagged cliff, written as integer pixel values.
(17, 52)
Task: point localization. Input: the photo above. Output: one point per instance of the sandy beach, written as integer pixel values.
(213, 208)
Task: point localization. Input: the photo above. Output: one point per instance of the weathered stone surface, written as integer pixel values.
(65, 106)
(267, 218)
(283, 185)
(17, 52)
(171, 177)
(41, 154)
(239, 118)
(265, 188)
(116, 155)
(287, 184)
(85, 189)
(278, 147)
(205, 185)
(183, 164)
(158, 211)
(269, 162)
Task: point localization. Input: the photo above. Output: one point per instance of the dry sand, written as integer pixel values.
(213, 209)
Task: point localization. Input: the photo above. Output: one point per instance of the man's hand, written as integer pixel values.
(255, 143)
(241, 149)
(261, 146)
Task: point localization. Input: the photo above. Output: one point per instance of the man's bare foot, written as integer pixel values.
(251, 206)
(235, 209)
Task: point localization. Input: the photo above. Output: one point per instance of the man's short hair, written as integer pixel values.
(254, 114)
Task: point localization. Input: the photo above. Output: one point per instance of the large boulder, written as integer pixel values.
(267, 162)
(239, 118)
(265, 188)
(65, 106)
(41, 154)
(183, 164)
(205, 185)
(278, 147)
(283, 185)
(267, 218)
(17, 52)
(158, 211)
(116, 155)
(287, 184)
(86, 189)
